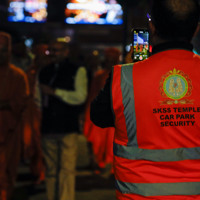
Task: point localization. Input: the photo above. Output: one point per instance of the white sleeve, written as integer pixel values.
(79, 95)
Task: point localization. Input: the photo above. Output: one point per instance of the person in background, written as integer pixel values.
(92, 63)
(21, 55)
(101, 139)
(155, 109)
(23, 59)
(14, 93)
(64, 90)
(32, 138)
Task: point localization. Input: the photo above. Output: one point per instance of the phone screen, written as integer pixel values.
(140, 44)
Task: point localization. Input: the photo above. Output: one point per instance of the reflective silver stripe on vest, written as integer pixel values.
(162, 155)
(128, 102)
(159, 189)
(133, 152)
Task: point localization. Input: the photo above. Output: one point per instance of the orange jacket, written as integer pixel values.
(157, 122)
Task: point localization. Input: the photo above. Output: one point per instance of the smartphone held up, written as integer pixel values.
(140, 42)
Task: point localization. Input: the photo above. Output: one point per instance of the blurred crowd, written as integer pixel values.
(50, 89)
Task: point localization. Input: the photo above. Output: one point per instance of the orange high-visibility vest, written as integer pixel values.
(156, 104)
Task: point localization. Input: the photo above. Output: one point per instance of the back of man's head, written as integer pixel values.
(175, 19)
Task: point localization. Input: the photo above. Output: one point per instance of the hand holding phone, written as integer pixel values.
(140, 42)
(129, 56)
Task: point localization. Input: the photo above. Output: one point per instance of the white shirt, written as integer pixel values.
(79, 95)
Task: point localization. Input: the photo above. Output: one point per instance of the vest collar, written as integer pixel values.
(172, 45)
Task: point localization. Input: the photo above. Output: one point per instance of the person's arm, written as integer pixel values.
(128, 58)
(19, 101)
(79, 95)
(37, 95)
(100, 109)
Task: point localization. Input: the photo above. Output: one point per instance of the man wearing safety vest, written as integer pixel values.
(154, 106)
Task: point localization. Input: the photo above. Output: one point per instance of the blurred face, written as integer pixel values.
(42, 58)
(4, 51)
(58, 52)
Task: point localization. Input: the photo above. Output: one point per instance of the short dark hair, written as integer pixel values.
(175, 19)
